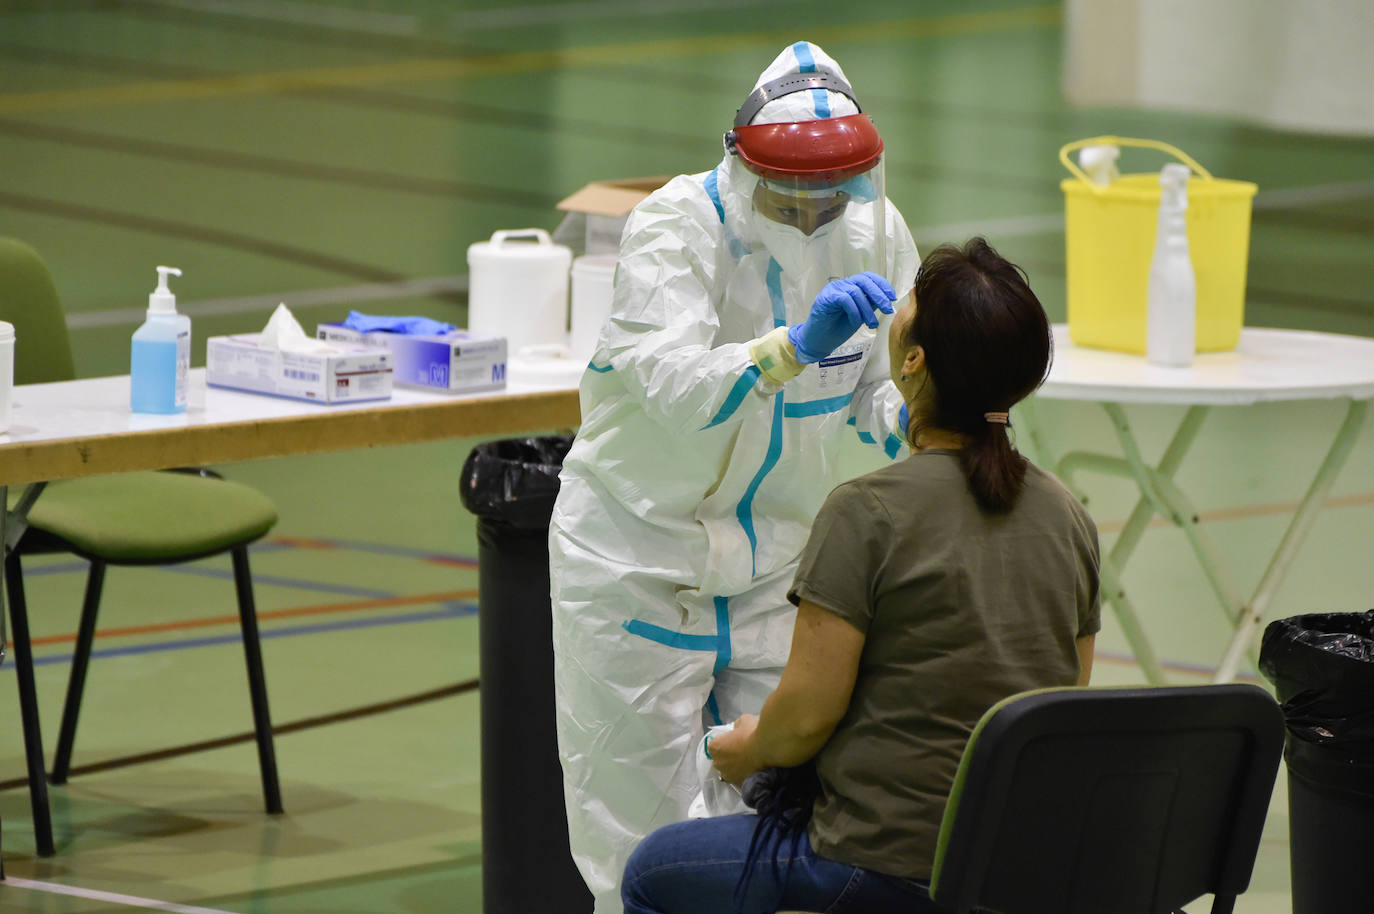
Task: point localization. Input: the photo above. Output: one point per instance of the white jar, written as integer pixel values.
(518, 288)
(592, 278)
(6, 373)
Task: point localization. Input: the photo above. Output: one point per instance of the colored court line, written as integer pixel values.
(131, 901)
(1267, 510)
(505, 63)
(424, 555)
(451, 611)
(1176, 666)
(452, 596)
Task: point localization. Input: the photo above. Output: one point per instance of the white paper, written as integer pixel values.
(283, 332)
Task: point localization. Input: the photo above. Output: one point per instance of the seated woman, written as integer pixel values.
(929, 590)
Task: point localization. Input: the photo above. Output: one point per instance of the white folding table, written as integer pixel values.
(1269, 365)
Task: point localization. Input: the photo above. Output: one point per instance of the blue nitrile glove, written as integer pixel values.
(838, 311)
(409, 326)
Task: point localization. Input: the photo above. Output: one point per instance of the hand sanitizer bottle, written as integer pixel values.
(161, 354)
(1171, 305)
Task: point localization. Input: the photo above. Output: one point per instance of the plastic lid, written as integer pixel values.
(161, 300)
(595, 264)
(521, 244)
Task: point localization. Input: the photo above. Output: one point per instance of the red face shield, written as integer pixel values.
(823, 151)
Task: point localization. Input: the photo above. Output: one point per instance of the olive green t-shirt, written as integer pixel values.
(960, 608)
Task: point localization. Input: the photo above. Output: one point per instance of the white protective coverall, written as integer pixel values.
(693, 482)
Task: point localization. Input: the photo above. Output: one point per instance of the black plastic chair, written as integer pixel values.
(1110, 801)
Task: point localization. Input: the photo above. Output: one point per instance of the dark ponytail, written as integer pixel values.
(987, 346)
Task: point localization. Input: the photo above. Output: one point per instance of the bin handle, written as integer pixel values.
(539, 235)
(1124, 141)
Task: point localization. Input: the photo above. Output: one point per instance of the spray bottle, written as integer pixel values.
(161, 353)
(1171, 308)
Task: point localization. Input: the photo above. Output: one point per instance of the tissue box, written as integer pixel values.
(347, 375)
(456, 362)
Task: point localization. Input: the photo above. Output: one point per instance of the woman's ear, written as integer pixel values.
(915, 361)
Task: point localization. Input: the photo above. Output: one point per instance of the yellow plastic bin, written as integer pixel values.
(1109, 237)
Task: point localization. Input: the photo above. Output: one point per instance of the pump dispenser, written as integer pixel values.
(1099, 162)
(1171, 309)
(161, 354)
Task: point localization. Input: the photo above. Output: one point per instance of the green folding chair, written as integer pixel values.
(1110, 801)
(148, 518)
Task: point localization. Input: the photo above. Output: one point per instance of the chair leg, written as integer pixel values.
(257, 681)
(28, 707)
(76, 683)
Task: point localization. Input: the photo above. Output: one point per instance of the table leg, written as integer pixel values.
(1252, 615)
(1158, 494)
(12, 527)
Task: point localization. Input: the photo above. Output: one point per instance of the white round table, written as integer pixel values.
(1268, 365)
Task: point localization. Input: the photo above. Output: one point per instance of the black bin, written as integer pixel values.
(526, 866)
(1322, 666)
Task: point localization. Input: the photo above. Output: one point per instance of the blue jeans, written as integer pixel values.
(692, 868)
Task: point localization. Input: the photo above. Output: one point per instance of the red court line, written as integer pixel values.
(319, 610)
(300, 542)
(1224, 514)
(451, 560)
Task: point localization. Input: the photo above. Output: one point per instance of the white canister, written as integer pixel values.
(592, 279)
(518, 288)
(6, 373)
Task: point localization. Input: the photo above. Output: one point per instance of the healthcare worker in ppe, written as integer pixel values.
(739, 355)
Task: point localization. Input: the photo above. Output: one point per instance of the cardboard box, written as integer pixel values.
(457, 362)
(597, 213)
(347, 375)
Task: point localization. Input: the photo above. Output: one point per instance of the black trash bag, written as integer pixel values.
(514, 481)
(1322, 665)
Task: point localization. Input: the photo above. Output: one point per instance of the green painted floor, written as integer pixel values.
(304, 152)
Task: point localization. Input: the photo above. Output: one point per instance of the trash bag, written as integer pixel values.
(514, 482)
(1322, 666)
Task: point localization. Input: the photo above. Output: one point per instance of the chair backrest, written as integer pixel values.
(1110, 801)
(28, 300)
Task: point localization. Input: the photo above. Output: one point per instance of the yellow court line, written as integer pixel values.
(505, 63)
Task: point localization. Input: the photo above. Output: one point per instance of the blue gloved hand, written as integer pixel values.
(838, 311)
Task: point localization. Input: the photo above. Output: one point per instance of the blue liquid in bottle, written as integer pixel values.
(153, 369)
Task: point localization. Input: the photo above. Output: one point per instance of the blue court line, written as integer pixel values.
(448, 611)
(377, 549)
(274, 580)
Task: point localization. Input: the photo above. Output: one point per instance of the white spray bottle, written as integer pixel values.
(1171, 309)
(161, 354)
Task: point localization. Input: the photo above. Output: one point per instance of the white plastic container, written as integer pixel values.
(160, 356)
(592, 278)
(1171, 302)
(6, 373)
(518, 288)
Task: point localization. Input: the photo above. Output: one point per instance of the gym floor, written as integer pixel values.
(343, 154)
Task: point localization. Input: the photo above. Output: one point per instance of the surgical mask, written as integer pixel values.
(792, 249)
